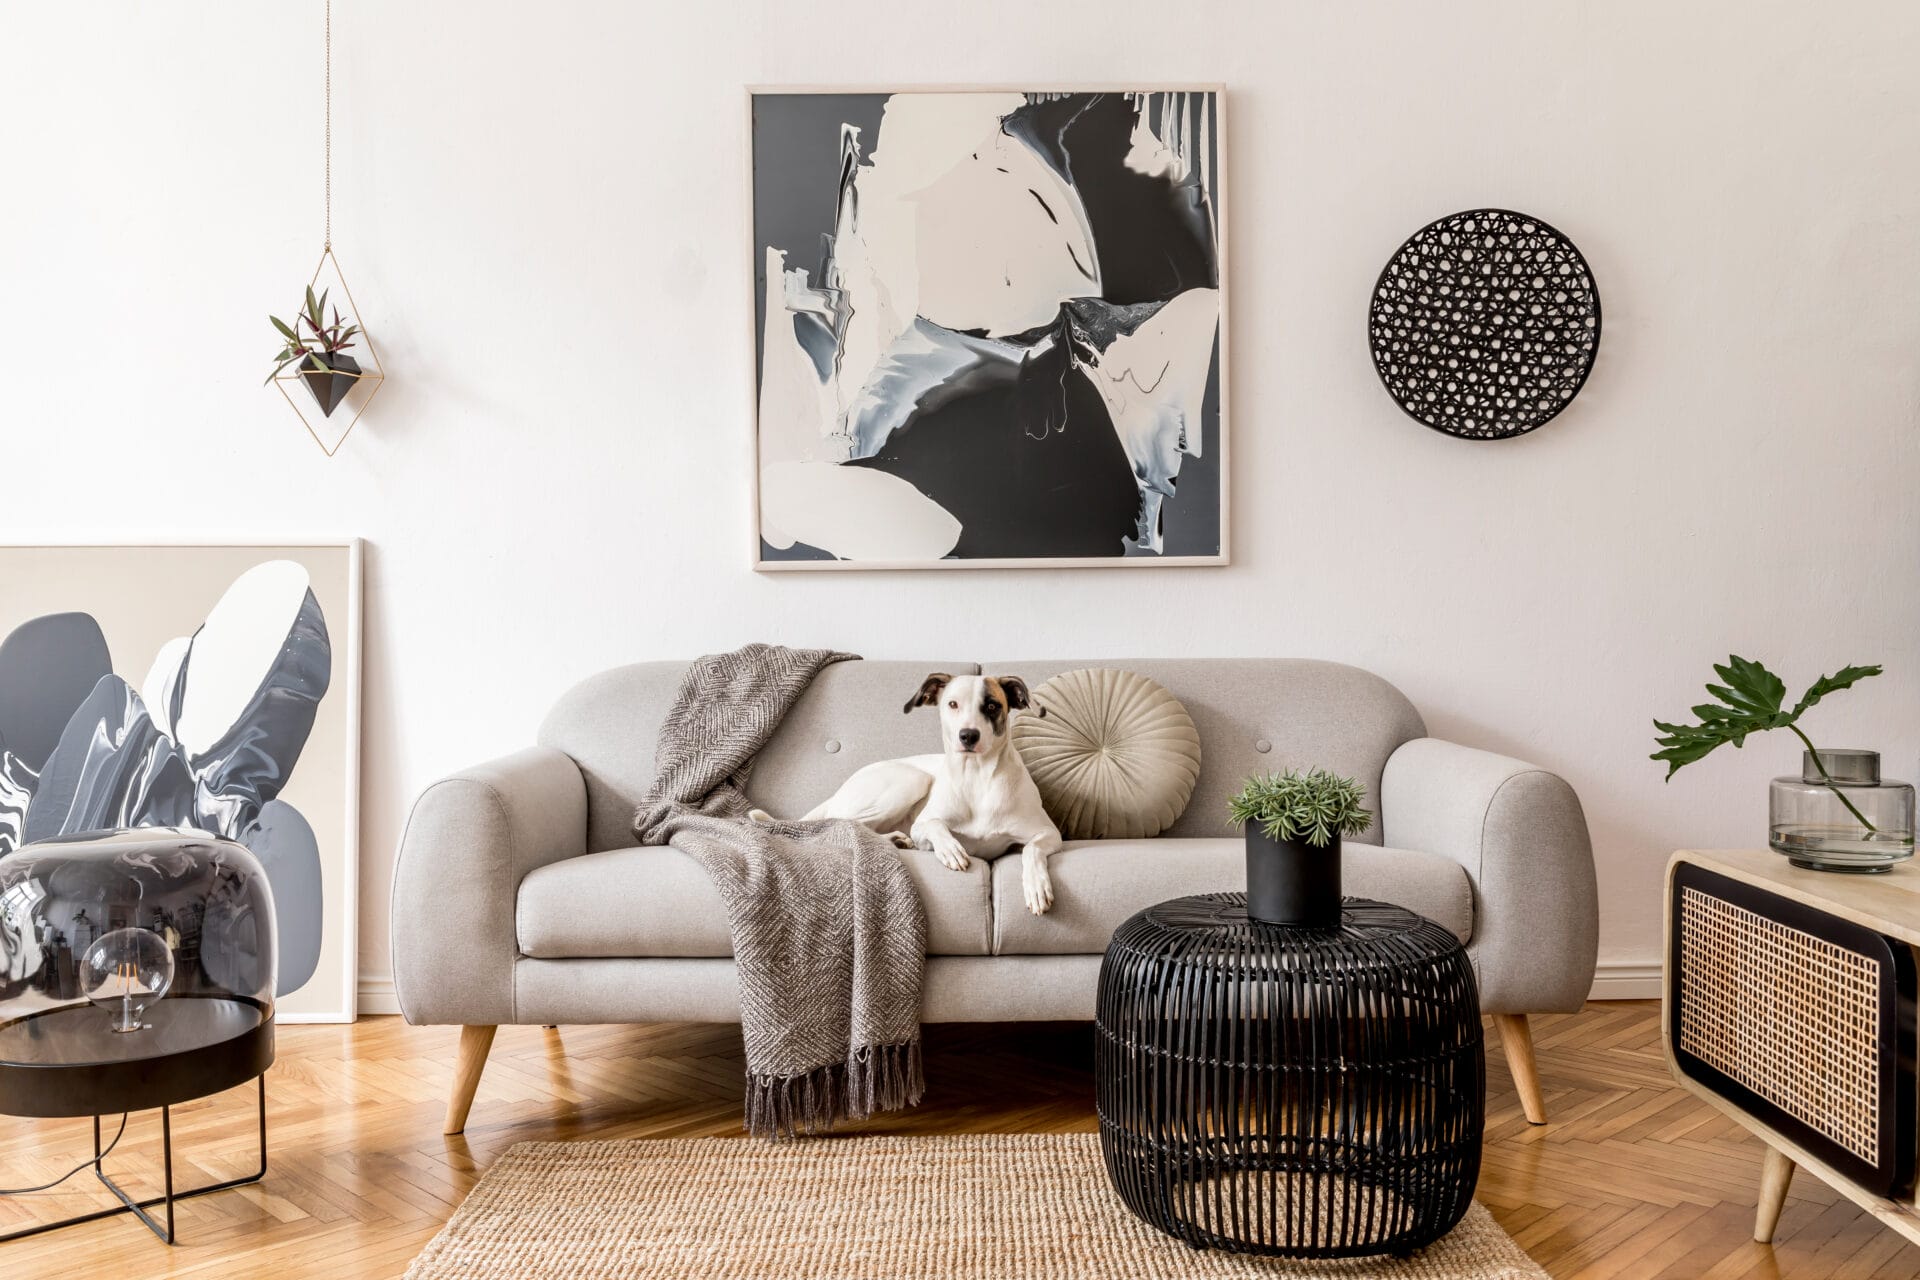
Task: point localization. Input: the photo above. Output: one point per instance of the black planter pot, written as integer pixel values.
(1290, 882)
(331, 385)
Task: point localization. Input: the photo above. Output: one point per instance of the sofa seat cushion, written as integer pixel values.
(656, 901)
(1097, 884)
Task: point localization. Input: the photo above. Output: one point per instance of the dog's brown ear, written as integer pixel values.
(1018, 699)
(929, 691)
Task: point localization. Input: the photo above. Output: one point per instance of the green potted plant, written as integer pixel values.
(1837, 815)
(315, 348)
(1294, 822)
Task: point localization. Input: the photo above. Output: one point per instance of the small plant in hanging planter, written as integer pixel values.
(1838, 814)
(316, 349)
(1294, 823)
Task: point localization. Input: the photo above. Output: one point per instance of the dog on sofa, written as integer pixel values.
(972, 800)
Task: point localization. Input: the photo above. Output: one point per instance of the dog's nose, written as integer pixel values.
(969, 737)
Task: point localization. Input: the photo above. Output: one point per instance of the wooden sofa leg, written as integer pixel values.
(474, 1043)
(1776, 1175)
(1516, 1037)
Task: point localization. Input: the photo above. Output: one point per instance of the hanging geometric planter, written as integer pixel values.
(327, 388)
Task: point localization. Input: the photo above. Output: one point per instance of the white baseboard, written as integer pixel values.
(377, 996)
(1613, 980)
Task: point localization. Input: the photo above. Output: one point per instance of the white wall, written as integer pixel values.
(541, 209)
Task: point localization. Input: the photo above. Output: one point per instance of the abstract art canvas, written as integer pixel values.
(213, 688)
(990, 328)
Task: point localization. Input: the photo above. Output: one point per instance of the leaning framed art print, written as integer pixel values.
(989, 327)
(207, 686)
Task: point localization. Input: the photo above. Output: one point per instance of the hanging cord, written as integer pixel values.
(48, 1186)
(329, 129)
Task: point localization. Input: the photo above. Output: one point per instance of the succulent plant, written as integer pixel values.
(1313, 806)
(310, 338)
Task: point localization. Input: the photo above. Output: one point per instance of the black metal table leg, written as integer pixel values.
(139, 1207)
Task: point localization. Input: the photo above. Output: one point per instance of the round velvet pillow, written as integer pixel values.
(1115, 757)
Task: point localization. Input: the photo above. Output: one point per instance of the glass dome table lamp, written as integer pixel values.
(137, 971)
(125, 972)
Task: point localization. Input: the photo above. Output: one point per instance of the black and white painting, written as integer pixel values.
(206, 688)
(989, 328)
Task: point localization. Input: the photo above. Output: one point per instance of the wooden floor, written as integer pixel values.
(1632, 1179)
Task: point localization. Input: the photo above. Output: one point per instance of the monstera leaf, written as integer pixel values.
(1751, 699)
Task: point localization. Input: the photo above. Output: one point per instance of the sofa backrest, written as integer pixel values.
(1302, 712)
(1262, 715)
(850, 716)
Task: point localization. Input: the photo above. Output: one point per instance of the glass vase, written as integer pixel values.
(1839, 815)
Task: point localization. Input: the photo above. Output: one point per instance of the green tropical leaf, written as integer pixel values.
(1748, 702)
(1754, 689)
(281, 325)
(1844, 678)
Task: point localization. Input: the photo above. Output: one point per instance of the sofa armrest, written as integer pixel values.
(468, 843)
(1520, 834)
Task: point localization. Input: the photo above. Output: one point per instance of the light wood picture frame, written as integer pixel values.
(192, 647)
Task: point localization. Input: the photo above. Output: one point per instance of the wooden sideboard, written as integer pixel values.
(1788, 1003)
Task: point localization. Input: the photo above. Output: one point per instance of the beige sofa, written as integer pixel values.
(519, 896)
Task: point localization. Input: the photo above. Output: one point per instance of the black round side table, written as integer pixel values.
(1265, 1089)
(140, 974)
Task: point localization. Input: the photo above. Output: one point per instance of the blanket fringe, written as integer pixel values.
(884, 1077)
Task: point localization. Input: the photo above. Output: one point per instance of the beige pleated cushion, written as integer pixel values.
(1115, 757)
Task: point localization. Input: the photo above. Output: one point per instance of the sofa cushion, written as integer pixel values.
(1258, 715)
(1097, 884)
(656, 901)
(1113, 753)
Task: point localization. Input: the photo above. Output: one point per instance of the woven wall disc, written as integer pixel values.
(1484, 324)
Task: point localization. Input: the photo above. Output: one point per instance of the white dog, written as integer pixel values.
(973, 800)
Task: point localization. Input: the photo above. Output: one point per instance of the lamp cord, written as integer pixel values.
(48, 1186)
(329, 127)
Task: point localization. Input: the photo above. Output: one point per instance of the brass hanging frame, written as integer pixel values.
(372, 377)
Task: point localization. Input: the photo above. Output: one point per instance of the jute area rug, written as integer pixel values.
(991, 1205)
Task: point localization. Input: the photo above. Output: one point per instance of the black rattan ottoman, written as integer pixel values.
(1310, 1092)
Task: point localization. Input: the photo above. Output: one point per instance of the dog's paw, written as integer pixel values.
(1036, 885)
(901, 840)
(951, 855)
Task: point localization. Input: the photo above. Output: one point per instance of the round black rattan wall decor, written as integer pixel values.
(1485, 324)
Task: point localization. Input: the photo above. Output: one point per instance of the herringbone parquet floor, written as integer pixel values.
(1632, 1179)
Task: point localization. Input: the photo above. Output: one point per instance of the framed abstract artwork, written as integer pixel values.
(989, 327)
(211, 687)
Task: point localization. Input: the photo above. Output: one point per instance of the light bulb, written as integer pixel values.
(124, 972)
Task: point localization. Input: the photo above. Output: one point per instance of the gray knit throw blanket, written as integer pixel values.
(829, 936)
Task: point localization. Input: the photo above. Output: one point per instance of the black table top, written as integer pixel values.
(1214, 929)
(71, 1062)
(83, 1036)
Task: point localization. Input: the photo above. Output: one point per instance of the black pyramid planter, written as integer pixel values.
(1316, 1093)
(331, 385)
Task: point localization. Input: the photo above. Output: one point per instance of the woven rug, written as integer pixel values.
(991, 1205)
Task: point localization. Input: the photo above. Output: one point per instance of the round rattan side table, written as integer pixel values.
(1265, 1089)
